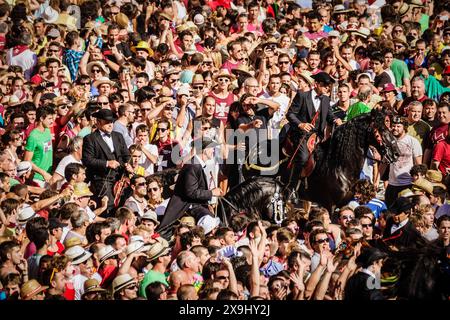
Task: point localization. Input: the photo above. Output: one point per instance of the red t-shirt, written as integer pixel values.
(222, 106)
(108, 274)
(60, 249)
(69, 293)
(437, 135)
(230, 65)
(441, 153)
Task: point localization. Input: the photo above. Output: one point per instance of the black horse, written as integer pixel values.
(339, 160)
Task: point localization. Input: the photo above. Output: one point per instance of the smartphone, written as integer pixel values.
(443, 18)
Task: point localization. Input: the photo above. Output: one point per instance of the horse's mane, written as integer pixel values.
(345, 140)
(250, 196)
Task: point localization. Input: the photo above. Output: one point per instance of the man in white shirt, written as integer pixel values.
(149, 151)
(410, 154)
(274, 94)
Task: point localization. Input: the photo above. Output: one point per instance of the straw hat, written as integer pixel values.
(143, 45)
(31, 288)
(338, 9)
(224, 73)
(106, 253)
(25, 214)
(150, 215)
(77, 254)
(91, 285)
(50, 15)
(417, 4)
(401, 39)
(99, 64)
(242, 69)
(103, 80)
(71, 242)
(303, 42)
(403, 9)
(423, 185)
(188, 220)
(306, 75)
(435, 177)
(121, 282)
(157, 250)
(197, 79)
(165, 95)
(136, 246)
(81, 189)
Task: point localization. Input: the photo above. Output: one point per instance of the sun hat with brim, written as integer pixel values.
(150, 215)
(199, 19)
(403, 9)
(99, 64)
(402, 40)
(107, 252)
(54, 33)
(90, 286)
(224, 73)
(242, 69)
(165, 95)
(406, 193)
(188, 220)
(67, 21)
(13, 101)
(422, 184)
(183, 90)
(334, 33)
(339, 9)
(81, 189)
(435, 177)
(306, 75)
(417, 4)
(165, 16)
(25, 214)
(136, 246)
(50, 15)
(208, 223)
(158, 249)
(121, 282)
(171, 70)
(362, 32)
(23, 168)
(103, 80)
(303, 42)
(197, 79)
(31, 288)
(143, 45)
(400, 205)
(77, 254)
(72, 242)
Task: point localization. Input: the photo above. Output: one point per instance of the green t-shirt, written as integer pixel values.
(40, 143)
(424, 22)
(150, 277)
(419, 130)
(400, 71)
(13, 182)
(356, 109)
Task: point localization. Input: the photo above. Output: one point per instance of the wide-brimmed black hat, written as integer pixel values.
(369, 256)
(105, 114)
(202, 144)
(323, 77)
(400, 205)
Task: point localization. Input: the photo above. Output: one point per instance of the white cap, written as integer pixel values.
(199, 19)
(208, 223)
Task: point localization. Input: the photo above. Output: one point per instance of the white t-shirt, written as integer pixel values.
(134, 206)
(162, 207)
(78, 284)
(26, 59)
(145, 162)
(399, 171)
(90, 214)
(62, 167)
(274, 123)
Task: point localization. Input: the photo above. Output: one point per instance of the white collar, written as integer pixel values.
(200, 161)
(402, 224)
(370, 273)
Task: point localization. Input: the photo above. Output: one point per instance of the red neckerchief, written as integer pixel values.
(19, 49)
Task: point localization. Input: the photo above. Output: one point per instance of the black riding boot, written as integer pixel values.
(294, 182)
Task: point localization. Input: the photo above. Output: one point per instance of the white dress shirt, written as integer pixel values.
(395, 227)
(108, 139)
(316, 100)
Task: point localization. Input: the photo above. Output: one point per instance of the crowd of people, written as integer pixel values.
(117, 124)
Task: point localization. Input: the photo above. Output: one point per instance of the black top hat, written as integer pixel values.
(323, 77)
(105, 114)
(369, 256)
(400, 205)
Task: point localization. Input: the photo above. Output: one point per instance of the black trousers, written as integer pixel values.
(101, 188)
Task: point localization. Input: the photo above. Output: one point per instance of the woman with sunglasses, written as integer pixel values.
(12, 143)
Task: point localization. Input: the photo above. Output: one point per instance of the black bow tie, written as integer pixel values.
(318, 97)
(107, 134)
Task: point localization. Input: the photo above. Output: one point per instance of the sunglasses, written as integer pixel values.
(320, 241)
(133, 287)
(85, 83)
(64, 106)
(96, 70)
(49, 50)
(103, 103)
(198, 87)
(368, 225)
(153, 189)
(284, 62)
(347, 217)
(162, 129)
(206, 128)
(223, 80)
(146, 109)
(141, 184)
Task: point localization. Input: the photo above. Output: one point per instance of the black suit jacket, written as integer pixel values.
(96, 152)
(302, 110)
(191, 188)
(357, 288)
(407, 236)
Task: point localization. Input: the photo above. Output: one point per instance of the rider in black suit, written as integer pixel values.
(305, 107)
(191, 189)
(106, 156)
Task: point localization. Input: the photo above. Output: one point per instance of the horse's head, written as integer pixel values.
(382, 138)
